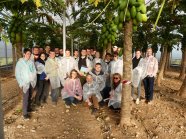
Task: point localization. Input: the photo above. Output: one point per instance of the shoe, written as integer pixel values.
(94, 110)
(74, 104)
(67, 106)
(150, 102)
(137, 101)
(26, 117)
(30, 110)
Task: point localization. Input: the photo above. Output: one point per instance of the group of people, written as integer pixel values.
(82, 77)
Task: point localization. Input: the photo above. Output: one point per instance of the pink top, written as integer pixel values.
(71, 88)
(152, 66)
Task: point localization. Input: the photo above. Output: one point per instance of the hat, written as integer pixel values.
(115, 46)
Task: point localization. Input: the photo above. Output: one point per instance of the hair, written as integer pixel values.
(26, 50)
(116, 74)
(108, 54)
(115, 53)
(71, 73)
(47, 46)
(88, 75)
(52, 50)
(42, 54)
(83, 49)
(56, 48)
(37, 47)
(137, 49)
(149, 48)
(67, 50)
(98, 64)
(75, 50)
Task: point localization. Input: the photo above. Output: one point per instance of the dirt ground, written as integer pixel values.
(164, 119)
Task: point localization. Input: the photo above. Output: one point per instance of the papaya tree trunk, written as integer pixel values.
(183, 65)
(13, 57)
(19, 47)
(127, 61)
(161, 57)
(109, 47)
(161, 72)
(182, 91)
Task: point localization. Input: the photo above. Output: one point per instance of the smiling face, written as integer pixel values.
(43, 56)
(27, 55)
(149, 52)
(52, 54)
(98, 68)
(67, 53)
(89, 79)
(116, 78)
(83, 52)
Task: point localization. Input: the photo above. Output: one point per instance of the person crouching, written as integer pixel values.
(91, 93)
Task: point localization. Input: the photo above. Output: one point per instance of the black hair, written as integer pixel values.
(83, 49)
(37, 47)
(137, 49)
(67, 50)
(108, 54)
(26, 50)
(98, 64)
(75, 50)
(52, 50)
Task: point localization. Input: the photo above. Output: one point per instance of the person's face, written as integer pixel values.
(27, 55)
(149, 52)
(98, 68)
(57, 50)
(41, 50)
(116, 79)
(137, 54)
(89, 79)
(115, 49)
(108, 57)
(76, 54)
(115, 57)
(74, 75)
(47, 49)
(67, 53)
(83, 53)
(97, 55)
(88, 51)
(61, 51)
(52, 55)
(43, 57)
(92, 51)
(36, 51)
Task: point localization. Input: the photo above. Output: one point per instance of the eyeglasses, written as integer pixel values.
(116, 78)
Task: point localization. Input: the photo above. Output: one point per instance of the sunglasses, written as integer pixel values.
(116, 78)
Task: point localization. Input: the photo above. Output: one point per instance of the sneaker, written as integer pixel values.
(26, 117)
(137, 101)
(74, 104)
(67, 106)
(94, 110)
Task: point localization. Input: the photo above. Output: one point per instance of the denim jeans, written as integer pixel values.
(138, 90)
(55, 94)
(149, 86)
(70, 100)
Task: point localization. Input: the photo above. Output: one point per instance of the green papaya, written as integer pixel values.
(116, 3)
(114, 28)
(131, 2)
(139, 17)
(144, 17)
(104, 29)
(141, 1)
(113, 38)
(122, 4)
(12, 35)
(134, 22)
(116, 20)
(121, 16)
(143, 9)
(133, 12)
(120, 26)
(105, 42)
(128, 14)
(134, 28)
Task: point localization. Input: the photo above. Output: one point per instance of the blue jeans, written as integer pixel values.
(55, 94)
(70, 100)
(138, 90)
(149, 86)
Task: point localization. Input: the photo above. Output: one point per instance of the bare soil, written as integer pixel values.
(164, 119)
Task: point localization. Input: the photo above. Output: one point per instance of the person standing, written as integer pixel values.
(66, 64)
(26, 77)
(43, 84)
(47, 50)
(135, 61)
(76, 55)
(151, 69)
(52, 70)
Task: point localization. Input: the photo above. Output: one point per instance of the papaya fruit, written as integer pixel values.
(105, 42)
(132, 2)
(128, 14)
(12, 35)
(116, 20)
(114, 28)
(121, 16)
(141, 1)
(143, 9)
(116, 3)
(120, 26)
(139, 17)
(135, 22)
(122, 4)
(144, 17)
(133, 12)
(134, 28)
(104, 29)
(18, 37)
